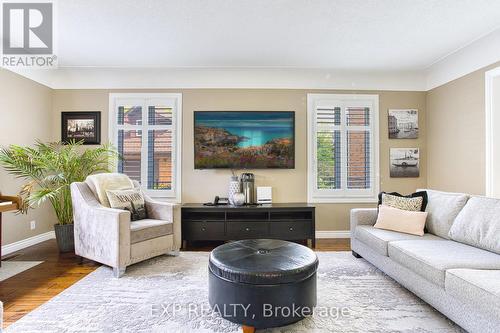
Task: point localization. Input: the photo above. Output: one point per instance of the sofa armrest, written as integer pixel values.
(101, 234)
(168, 212)
(362, 216)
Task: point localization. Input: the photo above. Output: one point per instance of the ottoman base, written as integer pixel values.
(262, 306)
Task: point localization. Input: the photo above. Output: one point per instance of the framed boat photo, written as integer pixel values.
(77, 126)
(405, 162)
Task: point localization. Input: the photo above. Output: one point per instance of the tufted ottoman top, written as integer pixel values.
(263, 261)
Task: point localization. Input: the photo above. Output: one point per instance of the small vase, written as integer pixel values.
(234, 187)
(239, 199)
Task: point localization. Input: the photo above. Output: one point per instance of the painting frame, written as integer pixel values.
(198, 122)
(403, 123)
(90, 135)
(404, 162)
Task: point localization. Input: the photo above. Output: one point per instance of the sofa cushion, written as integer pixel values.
(443, 208)
(479, 287)
(431, 258)
(378, 239)
(415, 202)
(478, 224)
(146, 229)
(410, 222)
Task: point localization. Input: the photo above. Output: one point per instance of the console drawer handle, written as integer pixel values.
(247, 229)
(203, 228)
(291, 228)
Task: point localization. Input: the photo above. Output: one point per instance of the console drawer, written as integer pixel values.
(203, 230)
(290, 229)
(247, 230)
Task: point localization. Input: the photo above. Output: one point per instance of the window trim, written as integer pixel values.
(342, 195)
(173, 195)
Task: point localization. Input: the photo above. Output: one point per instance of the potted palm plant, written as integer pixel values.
(49, 169)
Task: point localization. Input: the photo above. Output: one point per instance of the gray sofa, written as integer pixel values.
(455, 266)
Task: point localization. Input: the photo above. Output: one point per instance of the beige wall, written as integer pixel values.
(289, 185)
(451, 139)
(455, 134)
(25, 116)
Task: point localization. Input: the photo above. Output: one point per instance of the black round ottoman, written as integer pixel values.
(262, 283)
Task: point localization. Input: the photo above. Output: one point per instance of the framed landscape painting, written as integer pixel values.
(244, 139)
(403, 124)
(77, 126)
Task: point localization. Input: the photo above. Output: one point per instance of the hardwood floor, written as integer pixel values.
(26, 291)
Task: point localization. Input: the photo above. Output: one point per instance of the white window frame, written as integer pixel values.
(343, 195)
(173, 100)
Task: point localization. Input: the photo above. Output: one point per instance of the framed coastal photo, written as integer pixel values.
(79, 126)
(403, 124)
(405, 162)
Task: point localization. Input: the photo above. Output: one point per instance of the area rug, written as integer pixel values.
(169, 294)
(11, 268)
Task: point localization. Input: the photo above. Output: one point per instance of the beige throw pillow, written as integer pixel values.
(395, 219)
(405, 203)
(131, 200)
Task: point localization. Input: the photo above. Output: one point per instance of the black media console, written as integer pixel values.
(290, 221)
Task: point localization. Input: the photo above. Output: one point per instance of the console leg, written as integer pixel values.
(356, 255)
(248, 329)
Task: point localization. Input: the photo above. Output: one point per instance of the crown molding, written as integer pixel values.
(478, 54)
(251, 78)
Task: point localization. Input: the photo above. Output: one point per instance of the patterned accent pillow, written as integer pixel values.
(414, 202)
(131, 200)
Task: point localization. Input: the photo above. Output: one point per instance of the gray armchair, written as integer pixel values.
(108, 236)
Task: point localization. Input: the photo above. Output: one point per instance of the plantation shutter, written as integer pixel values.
(342, 138)
(328, 148)
(145, 132)
(358, 147)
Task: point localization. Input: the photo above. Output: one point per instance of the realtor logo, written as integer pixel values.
(28, 34)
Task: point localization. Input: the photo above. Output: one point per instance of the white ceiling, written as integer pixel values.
(375, 35)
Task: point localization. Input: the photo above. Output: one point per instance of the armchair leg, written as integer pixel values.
(356, 255)
(174, 253)
(118, 271)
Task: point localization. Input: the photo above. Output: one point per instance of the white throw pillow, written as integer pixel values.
(478, 224)
(101, 182)
(131, 200)
(443, 208)
(395, 219)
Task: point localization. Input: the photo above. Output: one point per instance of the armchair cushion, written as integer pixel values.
(101, 182)
(131, 200)
(146, 229)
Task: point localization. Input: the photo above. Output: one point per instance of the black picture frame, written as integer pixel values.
(90, 136)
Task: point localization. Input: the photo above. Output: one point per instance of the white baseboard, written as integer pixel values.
(333, 234)
(22, 244)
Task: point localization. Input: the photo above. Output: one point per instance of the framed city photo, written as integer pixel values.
(403, 124)
(405, 162)
(79, 126)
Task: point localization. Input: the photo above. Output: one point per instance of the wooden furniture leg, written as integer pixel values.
(248, 329)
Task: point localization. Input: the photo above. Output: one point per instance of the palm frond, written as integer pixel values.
(50, 168)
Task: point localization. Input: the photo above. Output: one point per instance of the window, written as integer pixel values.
(343, 148)
(146, 129)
